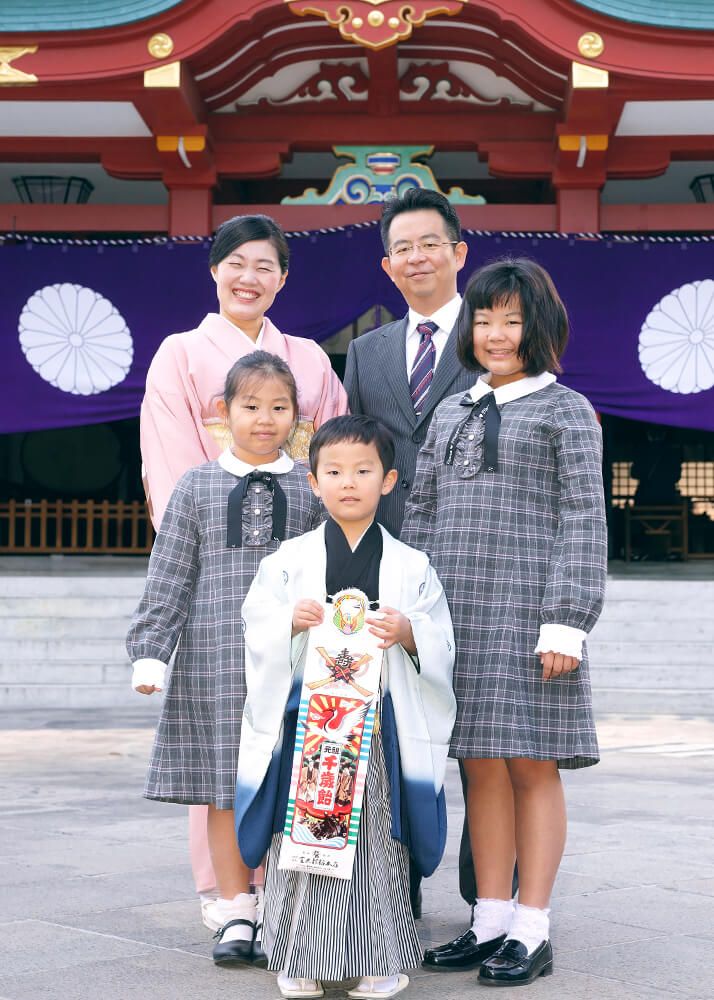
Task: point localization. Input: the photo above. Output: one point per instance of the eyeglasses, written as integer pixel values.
(427, 247)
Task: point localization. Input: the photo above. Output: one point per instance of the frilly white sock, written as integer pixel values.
(492, 918)
(530, 925)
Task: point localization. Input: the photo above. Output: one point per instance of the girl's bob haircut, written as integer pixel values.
(254, 368)
(545, 320)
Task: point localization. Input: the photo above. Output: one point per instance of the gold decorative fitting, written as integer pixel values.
(167, 76)
(591, 45)
(586, 77)
(170, 143)
(9, 75)
(160, 45)
(359, 21)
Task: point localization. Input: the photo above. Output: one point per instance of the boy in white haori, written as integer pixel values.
(318, 927)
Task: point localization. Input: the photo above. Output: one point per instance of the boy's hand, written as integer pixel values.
(555, 664)
(306, 614)
(393, 628)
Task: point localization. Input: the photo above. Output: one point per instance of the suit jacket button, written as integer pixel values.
(406, 484)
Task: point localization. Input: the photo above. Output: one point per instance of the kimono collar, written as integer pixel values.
(513, 390)
(228, 461)
(255, 344)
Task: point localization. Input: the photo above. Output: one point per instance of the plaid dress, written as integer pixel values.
(192, 601)
(514, 549)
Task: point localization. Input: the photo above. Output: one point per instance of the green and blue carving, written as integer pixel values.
(377, 174)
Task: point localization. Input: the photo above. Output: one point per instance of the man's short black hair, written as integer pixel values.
(416, 200)
(355, 429)
(545, 328)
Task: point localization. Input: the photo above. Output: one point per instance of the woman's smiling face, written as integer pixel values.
(247, 281)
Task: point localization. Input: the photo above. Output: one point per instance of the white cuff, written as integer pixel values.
(562, 639)
(148, 672)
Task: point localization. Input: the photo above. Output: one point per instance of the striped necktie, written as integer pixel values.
(423, 368)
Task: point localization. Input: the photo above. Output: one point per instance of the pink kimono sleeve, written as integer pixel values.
(172, 436)
(333, 398)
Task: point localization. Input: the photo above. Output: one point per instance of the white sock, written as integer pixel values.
(377, 984)
(241, 907)
(492, 918)
(294, 985)
(530, 925)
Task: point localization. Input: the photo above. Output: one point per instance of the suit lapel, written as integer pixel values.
(394, 367)
(446, 372)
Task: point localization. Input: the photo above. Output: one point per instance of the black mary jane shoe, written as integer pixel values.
(513, 966)
(231, 952)
(260, 959)
(464, 952)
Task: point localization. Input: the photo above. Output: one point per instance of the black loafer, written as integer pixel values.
(464, 952)
(513, 966)
(230, 952)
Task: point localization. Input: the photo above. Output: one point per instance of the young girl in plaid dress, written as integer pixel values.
(508, 503)
(222, 519)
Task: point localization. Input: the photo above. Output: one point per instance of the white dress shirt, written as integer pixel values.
(445, 319)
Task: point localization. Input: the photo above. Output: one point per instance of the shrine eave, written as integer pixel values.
(697, 15)
(69, 15)
(207, 31)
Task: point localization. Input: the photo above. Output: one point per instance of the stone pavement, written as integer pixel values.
(96, 901)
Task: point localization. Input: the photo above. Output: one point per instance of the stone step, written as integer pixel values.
(88, 586)
(666, 591)
(67, 607)
(668, 701)
(628, 609)
(55, 628)
(665, 629)
(73, 650)
(653, 677)
(53, 672)
(74, 696)
(676, 653)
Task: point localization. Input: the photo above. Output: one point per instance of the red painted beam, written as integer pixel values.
(445, 130)
(657, 218)
(84, 218)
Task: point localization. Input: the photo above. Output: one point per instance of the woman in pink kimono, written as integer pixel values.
(180, 426)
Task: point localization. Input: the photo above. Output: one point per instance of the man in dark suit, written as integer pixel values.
(401, 371)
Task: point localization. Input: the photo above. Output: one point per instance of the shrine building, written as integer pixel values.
(577, 132)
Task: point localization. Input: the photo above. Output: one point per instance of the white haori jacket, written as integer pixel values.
(418, 707)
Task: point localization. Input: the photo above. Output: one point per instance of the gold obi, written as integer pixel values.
(296, 446)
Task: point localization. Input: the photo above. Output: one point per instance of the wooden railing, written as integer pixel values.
(83, 527)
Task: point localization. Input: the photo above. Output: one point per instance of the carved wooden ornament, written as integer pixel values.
(375, 23)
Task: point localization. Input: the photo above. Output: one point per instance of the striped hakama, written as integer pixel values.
(318, 927)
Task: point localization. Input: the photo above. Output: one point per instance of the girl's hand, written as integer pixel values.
(147, 688)
(555, 664)
(393, 628)
(306, 614)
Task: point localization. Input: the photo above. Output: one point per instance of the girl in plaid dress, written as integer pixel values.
(222, 519)
(508, 503)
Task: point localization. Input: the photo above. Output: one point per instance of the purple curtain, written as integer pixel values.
(642, 314)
